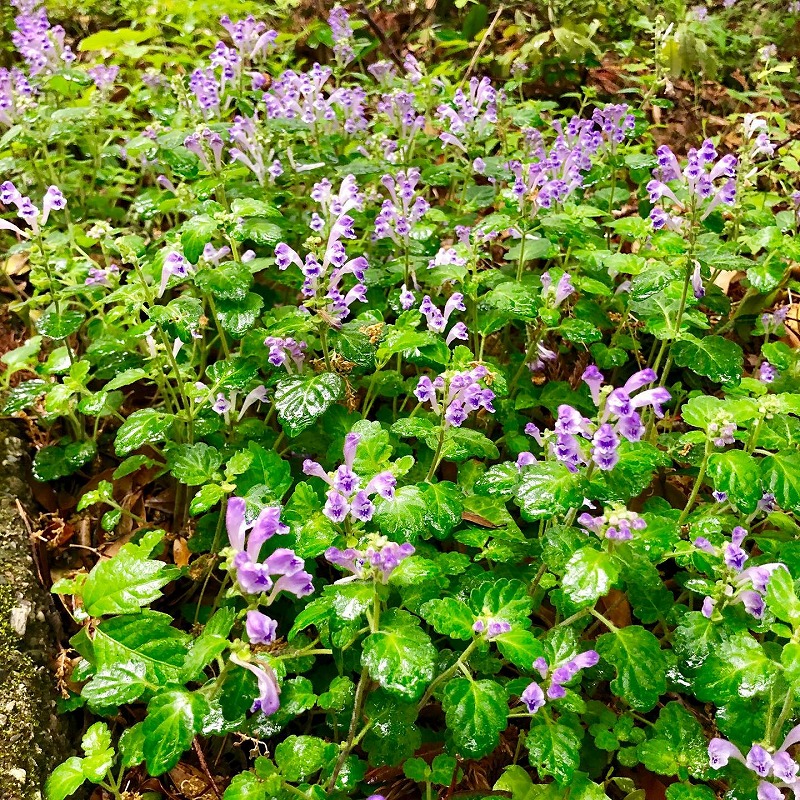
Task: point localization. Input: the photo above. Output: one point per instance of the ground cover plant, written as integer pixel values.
(408, 433)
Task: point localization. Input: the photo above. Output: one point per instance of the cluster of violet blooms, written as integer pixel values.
(704, 183)
(320, 285)
(39, 43)
(555, 173)
(616, 523)
(739, 585)
(577, 439)
(255, 579)
(535, 698)
(376, 562)
(35, 218)
(403, 209)
(246, 539)
(453, 398)
(779, 766)
(346, 499)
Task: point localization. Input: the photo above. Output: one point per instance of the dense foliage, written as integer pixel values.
(420, 427)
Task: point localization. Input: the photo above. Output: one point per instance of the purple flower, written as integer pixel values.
(346, 497)
(375, 563)
(616, 523)
(175, 264)
(260, 628)
(459, 396)
(104, 76)
(604, 447)
(283, 352)
(246, 540)
(766, 372)
(268, 698)
(533, 698)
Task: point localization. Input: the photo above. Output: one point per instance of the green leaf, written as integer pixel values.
(299, 757)
(450, 617)
(238, 316)
(781, 597)
(405, 515)
(547, 489)
(463, 443)
(196, 233)
(96, 744)
(737, 667)
(125, 583)
(115, 684)
(207, 497)
(780, 475)
(268, 470)
(173, 718)
(142, 427)
(59, 326)
(400, 656)
(65, 780)
(503, 599)
(131, 746)
(712, 356)
(300, 401)
(736, 473)
(147, 637)
(260, 231)
(58, 461)
(678, 745)
(554, 750)
(520, 647)
(476, 712)
(393, 735)
(245, 786)
(686, 791)
(228, 281)
(640, 665)
(589, 575)
(443, 504)
(194, 464)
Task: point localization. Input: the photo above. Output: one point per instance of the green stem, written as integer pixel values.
(698, 483)
(437, 456)
(461, 662)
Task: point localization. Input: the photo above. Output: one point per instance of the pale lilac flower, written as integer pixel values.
(376, 562)
(564, 672)
(175, 264)
(261, 629)
(346, 495)
(285, 351)
(246, 540)
(616, 523)
(257, 395)
(104, 76)
(767, 372)
(268, 698)
(456, 398)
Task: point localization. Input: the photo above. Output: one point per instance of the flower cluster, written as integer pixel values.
(472, 116)
(39, 43)
(342, 34)
(346, 498)
(53, 200)
(246, 539)
(282, 352)
(437, 320)
(302, 96)
(534, 697)
(616, 522)
(16, 94)
(779, 766)
(704, 183)
(620, 405)
(738, 585)
(336, 221)
(249, 150)
(403, 209)
(576, 439)
(376, 562)
(455, 396)
(557, 172)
